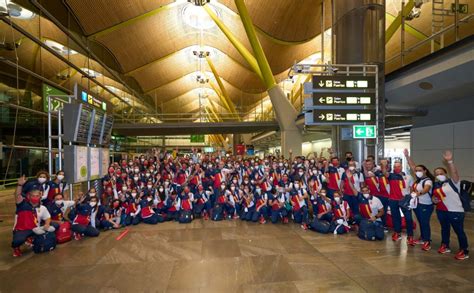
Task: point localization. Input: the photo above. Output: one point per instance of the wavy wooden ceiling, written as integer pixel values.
(153, 49)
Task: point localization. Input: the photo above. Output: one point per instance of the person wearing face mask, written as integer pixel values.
(30, 214)
(350, 186)
(399, 187)
(378, 185)
(39, 183)
(202, 204)
(147, 214)
(132, 209)
(173, 204)
(59, 209)
(322, 209)
(261, 201)
(58, 185)
(349, 158)
(370, 207)
(333, 176)
(340, 208)
(422, 190)
(298, 197)
(84, 223)
(449, 208)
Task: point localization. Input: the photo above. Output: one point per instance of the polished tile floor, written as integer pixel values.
(232, 256)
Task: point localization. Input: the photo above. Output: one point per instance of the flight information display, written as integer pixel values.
(77, 120)
(97, 127)
(107, 130)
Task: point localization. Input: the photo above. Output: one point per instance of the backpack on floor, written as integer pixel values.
(465, 194)
(185, 217)
(44, 242)
(341, 229)
(63, 233)
(371, 231)
(217, 213)
(320, 226)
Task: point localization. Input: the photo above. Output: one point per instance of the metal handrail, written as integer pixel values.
(429, 39)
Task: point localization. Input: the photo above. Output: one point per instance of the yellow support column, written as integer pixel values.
(393, 27)
(237, 44)
(267, 74)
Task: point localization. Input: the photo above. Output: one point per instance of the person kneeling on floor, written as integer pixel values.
(370, 215)
(85, 221)
(147, 213)
(30, 214)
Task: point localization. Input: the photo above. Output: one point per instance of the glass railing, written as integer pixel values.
(446, 36)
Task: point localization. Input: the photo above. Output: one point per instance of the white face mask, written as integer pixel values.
(337, 199)
(124, 188)
(297, 186)
(366, 195)
(441, 178)
(147, 174)
(60, 177)
(323, 194)
(149, 199)
(258, 190)
(93, 203)
(234, 181)
(222, 187)
(41, 180)
(149, 186)
(136, 170)
(167, 183)
(280, 164)
(352, 168)
(301, 173)
(419, 174)
(135, 178)
(232, 188)
(134, 195)
(59, 202)
(92, 193)
(161, 189)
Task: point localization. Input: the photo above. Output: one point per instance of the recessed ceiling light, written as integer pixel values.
(426, 85)
(197, 17)
(91, 73)
(15, 10)
(61, 49)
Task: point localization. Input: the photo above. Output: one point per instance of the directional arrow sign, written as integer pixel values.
(340, 99)
(349, 82)
(338, 116)
(364, 131)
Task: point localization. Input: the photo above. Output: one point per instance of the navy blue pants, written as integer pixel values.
(384, 201)
(129, 220)
(19, 237)
(301, 215)
(423, 214)
(397, 217)
(86, 230)
(455, 220)
(277, 214)
(353, 203)
(152, 220)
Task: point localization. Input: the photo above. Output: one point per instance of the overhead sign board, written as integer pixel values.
(340, 99)
(364, 131)
(343, 82)
(86, 97)
(56, 102)
(338, 116)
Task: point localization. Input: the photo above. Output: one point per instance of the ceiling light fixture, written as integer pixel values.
(61, 49)
(14, 10)
(195, 16)
(91, 73)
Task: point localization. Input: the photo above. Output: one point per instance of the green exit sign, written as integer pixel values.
(364, 131)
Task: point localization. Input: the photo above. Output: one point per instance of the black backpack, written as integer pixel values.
(466, 194)
(44, 242)
(185, 217)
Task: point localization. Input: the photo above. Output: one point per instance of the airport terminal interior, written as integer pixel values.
(236, 145)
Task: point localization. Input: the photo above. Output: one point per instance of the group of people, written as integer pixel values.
(159, 187)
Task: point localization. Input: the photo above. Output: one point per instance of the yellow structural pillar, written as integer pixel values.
(286, 114)
(267, 74)
(396, 23)
(237, 44)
